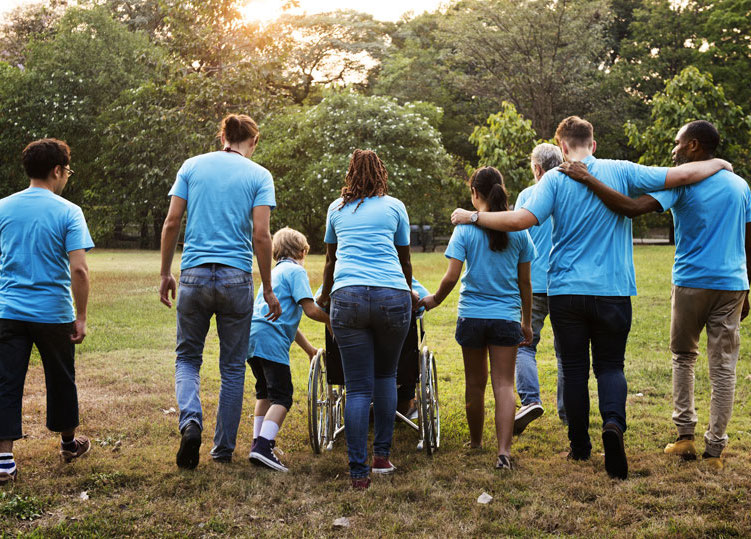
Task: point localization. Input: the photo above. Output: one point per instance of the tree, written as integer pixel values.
(35, 22)
(506, 143)
(307, 150)
(692, 95)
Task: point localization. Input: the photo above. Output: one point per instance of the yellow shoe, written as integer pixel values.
(713, 463)
(682, 448)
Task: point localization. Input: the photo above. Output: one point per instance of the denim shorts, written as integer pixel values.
(482, 332)
(273, 381)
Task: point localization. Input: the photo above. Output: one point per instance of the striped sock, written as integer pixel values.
(7, 464)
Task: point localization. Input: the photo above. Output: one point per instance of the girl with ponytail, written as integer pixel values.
(495, 308)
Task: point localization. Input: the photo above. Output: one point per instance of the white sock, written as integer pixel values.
(257, 422)
(269, 430)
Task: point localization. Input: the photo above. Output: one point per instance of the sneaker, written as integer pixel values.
(223, 459)
(6, 478)
(408, 408)
(263, 455)
(616, 463)
(504, 463)
(525, 416)
(382, 465)
(712, 462)
(187, 455)
(361, 483)
(683, 448)
(575, 456)
(82, 447)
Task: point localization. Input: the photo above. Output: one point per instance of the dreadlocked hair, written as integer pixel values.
(366, 177)
(488, 183)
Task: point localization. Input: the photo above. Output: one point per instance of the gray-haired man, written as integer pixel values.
(544, 157)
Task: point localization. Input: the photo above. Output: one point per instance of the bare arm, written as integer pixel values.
(79, 283)
(744, 311)
(262, 249)
(170, 231)
(694, 172)
(614, 200)
(328, 275)
(508, 221)
(453, 272)
(525, 292)
(304, 343)
(405, 259)
(314, 312)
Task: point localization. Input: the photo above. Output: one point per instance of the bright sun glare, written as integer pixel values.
(262, 10)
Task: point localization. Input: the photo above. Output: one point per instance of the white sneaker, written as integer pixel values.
(526, 415)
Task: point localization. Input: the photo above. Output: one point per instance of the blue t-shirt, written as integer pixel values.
(37, 231)
(542, 237)
(592, 252)
(221, 188)
(710, 231)
(271, 340)
(490, 282)
(366, 242)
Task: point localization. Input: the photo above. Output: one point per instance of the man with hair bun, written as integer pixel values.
(591, 277)
(229, 199)
(710, 281)
(43, 244)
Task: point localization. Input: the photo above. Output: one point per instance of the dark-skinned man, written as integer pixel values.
(710, 281)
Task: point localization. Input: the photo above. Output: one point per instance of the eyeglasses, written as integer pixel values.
(69, 171)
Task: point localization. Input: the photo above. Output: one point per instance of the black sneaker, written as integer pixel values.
(503, 463)
(525, 416)
(615, 453)
(187, 455)
(262, 454)
(577, 456)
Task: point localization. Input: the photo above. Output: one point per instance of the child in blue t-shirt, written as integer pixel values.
(496, 294)
(268, 347)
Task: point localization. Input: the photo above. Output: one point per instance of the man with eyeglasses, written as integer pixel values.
(43, 244)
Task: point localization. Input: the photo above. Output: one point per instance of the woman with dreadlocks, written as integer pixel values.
(367, 282)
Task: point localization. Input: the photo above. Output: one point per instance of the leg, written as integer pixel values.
(475, 381)
(527, 381)
(350, 320)
(15, 349)
(689, 315)
(262, 396)
(234, 311)
(390, 314)
(502, 360)
(572, 333)
(559, 387)
(194, 311)
(723, 346)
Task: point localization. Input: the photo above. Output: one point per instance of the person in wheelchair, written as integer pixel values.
(269, 343)
(406, 403)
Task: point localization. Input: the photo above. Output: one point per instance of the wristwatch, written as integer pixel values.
(473, 218)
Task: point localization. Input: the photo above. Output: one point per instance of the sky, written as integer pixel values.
(390, 10)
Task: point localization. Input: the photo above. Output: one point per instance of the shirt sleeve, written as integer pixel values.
(667, 198)
(77, 235)
(300, 286)
(642, 179)
(748, 205)
(528, 251)
(457, 247)
(540, 204)
(180, 187)
(330, 236)
(265, 195)
(401, 236)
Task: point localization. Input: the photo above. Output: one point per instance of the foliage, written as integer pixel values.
(506, 143)
(34, 22)
(20, 507)
(689, 96)
(308, 150)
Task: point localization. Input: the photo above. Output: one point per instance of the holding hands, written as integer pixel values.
(428, 303)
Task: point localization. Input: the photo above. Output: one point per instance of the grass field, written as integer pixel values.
(125, 373)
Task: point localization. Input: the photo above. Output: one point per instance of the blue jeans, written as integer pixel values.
(370, 324)
(604, 322)
(228, 293)
(527, 382)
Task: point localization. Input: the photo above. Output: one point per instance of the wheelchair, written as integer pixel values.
(327, 396)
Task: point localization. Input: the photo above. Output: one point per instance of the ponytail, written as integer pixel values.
(488, 183)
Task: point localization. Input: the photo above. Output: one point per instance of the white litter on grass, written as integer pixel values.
(342, 522)
(748, 377)
(639, 395)
(84, 495)
(171, 410)
(484, 498)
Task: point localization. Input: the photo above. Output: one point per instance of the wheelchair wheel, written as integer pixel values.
(319, 404)
(429, 416)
